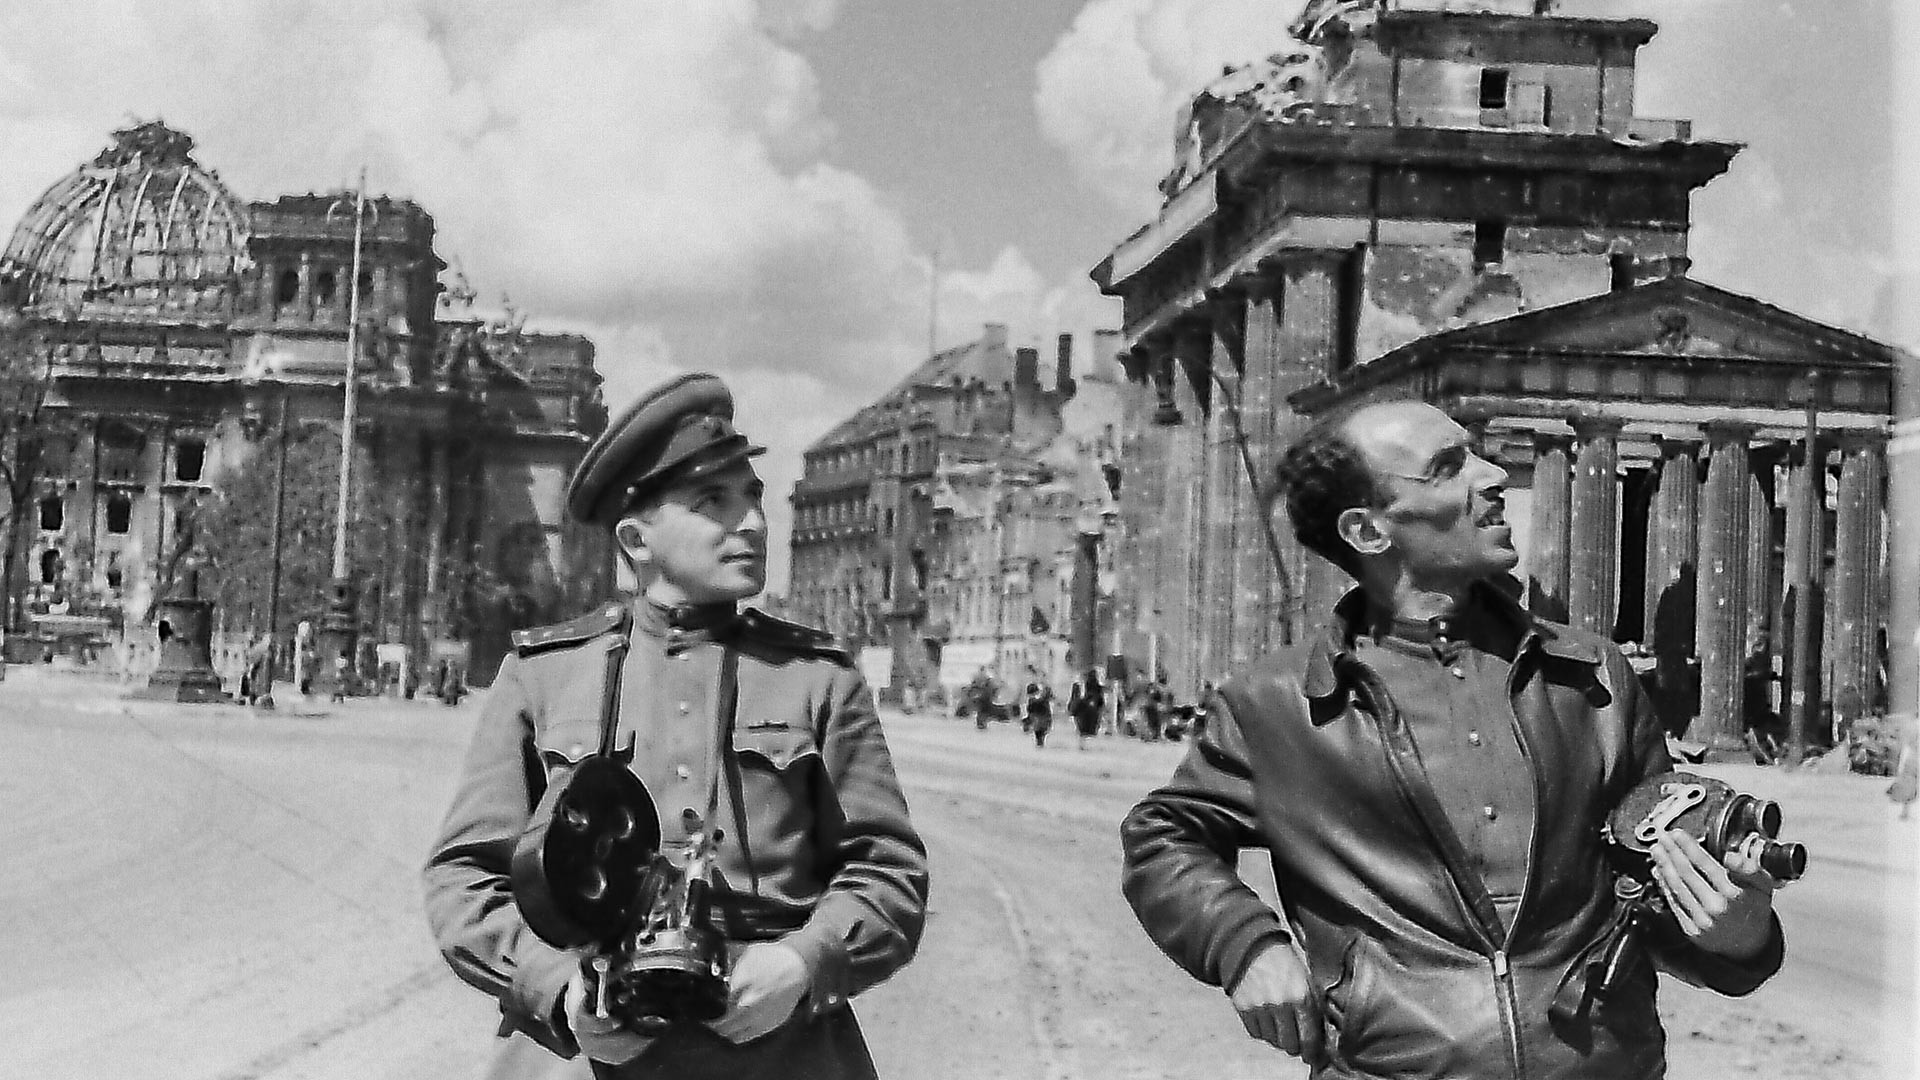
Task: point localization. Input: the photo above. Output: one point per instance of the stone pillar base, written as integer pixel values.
(195, 687)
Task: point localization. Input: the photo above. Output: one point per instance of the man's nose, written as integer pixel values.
(1491, 474)
(754, 520)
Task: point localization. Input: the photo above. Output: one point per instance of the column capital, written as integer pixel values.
(1855, 442)
(1671, 448)
(1588, 427)
(1548, 441)
(1720, 432)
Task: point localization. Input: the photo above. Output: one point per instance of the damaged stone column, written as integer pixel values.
(1721, 612)
(1672, 549)
(1552, 494)
(1813, 604)
(1593, 551)
(1857, 591)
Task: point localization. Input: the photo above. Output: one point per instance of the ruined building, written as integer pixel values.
(181, 337)
(954, 522)
(1455, 201)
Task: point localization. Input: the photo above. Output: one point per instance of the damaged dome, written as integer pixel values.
(141, 231)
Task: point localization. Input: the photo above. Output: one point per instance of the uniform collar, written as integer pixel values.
(683, 622)
(1355, 614)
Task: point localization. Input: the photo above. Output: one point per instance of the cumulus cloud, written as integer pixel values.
(1012, 291)
(653, 175)
(1109, 89)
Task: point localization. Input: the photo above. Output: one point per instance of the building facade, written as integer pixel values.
(954, 523)
(184, 340)
(1456, 202)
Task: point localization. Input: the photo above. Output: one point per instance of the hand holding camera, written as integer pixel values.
(1722, 906)
(769, 979)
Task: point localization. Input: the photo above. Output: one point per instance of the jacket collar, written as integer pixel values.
(1354, 615)
(698, 622)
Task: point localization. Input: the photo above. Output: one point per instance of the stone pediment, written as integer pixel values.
(1677, 317)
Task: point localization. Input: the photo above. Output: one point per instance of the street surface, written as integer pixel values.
(208, 893)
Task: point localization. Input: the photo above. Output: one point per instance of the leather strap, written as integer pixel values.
(725, 761)
(610, 697)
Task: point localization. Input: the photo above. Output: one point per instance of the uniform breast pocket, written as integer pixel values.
(775, 745)
(564, 742)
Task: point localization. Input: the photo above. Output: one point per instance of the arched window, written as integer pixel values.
(287, 288)
(324, 288)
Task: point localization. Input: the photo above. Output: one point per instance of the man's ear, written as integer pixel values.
(627, 533)
(1358, 526)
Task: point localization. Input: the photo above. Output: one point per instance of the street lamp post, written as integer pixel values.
(337, 627)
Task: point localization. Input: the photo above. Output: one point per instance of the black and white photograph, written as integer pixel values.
(960, 539)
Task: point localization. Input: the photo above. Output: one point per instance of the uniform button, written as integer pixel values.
(1459, 674)
(684, 708)
(1473, 738)
(1490, 812)
(683, 772)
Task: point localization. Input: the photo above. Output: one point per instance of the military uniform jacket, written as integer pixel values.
(819, 852)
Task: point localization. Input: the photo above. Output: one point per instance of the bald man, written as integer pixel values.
(1430, 774)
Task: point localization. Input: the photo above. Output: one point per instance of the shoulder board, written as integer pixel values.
(603, 619)
(762, 627)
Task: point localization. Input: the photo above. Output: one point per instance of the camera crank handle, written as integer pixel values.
(601, 965)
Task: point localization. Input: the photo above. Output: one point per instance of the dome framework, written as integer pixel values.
(142, 231)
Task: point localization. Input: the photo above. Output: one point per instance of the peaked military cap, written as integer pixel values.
(678, 430)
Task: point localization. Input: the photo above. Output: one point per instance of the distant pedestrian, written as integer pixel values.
(1086, 703)
(1154, 709)
(1039, 719)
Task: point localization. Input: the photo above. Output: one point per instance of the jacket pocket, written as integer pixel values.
(773, 745)
(1342, 1001)
(564, 742)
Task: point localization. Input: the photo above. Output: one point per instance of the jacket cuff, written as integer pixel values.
(1238, 948)
(1726, 975)
(533, 1000)
(829, 965)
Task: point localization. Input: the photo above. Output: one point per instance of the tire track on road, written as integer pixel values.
(317, 1038)
(1046, 1034)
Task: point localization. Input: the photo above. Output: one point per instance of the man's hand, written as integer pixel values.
(600, 1038)
(1724, 909)
(769, 979)
(1277, 1004)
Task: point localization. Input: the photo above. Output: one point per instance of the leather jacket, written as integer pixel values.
(1305, 756)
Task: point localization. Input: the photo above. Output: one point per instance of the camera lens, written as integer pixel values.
(1768, 813)
(1785, 861)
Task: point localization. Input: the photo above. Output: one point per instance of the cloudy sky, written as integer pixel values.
(768, 189)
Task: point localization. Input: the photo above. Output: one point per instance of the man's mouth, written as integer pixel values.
(743, 556)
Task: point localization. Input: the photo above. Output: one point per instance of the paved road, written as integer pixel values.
(205, 893)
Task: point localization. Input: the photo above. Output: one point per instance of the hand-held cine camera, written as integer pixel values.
(589, 872)
(1711, 811)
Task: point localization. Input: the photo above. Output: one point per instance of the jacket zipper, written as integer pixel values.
(1509, 1011)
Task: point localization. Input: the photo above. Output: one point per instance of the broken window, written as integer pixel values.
(49, 566)
(323, 288)
(1493, 88)
(119, 514)
(53, 513)
(189, 458)
(1489, 242)
(115, 577)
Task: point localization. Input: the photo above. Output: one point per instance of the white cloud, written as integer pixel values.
(1110, 87)
(651, 175)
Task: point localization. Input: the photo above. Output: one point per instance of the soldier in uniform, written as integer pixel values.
(820, 869)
